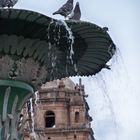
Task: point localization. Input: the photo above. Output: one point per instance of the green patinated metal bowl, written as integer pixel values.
(35, 48)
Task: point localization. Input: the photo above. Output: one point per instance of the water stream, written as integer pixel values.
(33, 134)
(36, 98)
(107, 92)
(70, 39)
(108, 105)
(52, 54)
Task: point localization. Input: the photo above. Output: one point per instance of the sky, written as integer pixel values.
(114, 96)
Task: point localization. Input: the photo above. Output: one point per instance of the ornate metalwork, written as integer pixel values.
(11, 104)
(29, 34)
(35, 49)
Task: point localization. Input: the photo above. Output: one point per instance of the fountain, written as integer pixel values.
(35, 49)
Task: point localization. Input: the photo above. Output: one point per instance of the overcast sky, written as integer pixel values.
(114, 96)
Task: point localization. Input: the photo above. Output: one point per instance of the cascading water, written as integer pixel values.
(36, 98)
(37, 101)
(107, 91)
(33, 134)
(102, 108)
(52, 55)
(71, 40)
(30, 114)
(51, 51)
(108, 105)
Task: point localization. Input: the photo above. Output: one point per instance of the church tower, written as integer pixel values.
(61, 112)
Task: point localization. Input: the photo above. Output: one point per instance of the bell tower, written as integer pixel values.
(61, 112)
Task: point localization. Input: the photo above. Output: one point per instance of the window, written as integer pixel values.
(49, 119)
(75, 136)
(76, 117)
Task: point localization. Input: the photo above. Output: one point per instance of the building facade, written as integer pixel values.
(59, 112)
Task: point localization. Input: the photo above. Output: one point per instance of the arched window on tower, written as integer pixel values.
(49, 119)
(77, 117)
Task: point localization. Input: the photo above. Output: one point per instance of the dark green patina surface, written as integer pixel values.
(19, 89)
(92, 47)
(13, 95)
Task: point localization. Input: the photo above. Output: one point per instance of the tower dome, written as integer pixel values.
(64, 82)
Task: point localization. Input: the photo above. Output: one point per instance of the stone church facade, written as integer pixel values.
(60, 112)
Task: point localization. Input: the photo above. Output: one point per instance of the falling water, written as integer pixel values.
(33, 134)
(37, 102)
(52, 55)
(101, 84)
(51, 52)
(27, 114)
(107, 92)
(36, 98)
(71, 41)
(105, 81)
(70, 38)
(32, 114)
